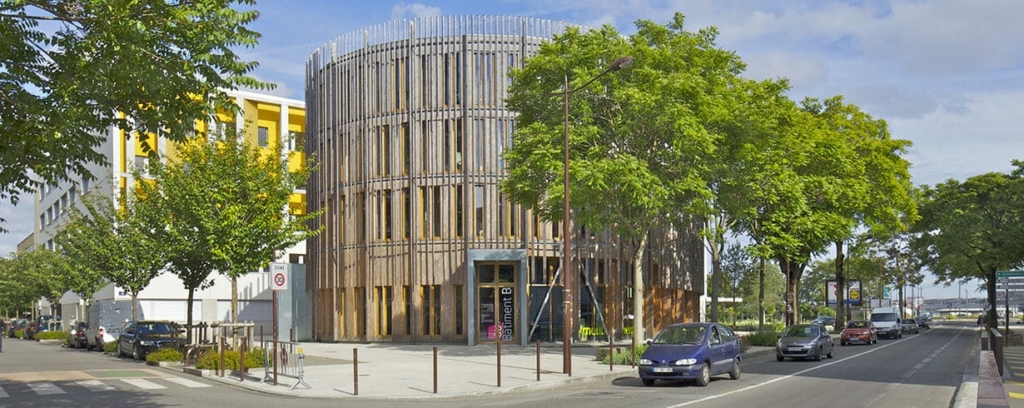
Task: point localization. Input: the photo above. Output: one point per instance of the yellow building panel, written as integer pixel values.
(297, 204)
(269, 108)
(296, 161)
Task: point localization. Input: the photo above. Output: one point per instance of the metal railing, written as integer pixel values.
(289, 362)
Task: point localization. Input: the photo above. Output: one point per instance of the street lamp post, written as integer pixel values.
(568, 277)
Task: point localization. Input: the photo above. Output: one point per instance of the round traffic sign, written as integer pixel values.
(854, 294)
(279, 279)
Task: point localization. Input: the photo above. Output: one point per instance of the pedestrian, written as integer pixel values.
(981, 320)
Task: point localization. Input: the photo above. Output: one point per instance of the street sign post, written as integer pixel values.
(1010, 274)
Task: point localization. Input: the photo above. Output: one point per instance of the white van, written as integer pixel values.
(887, 321)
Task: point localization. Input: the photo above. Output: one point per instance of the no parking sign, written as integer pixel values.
(279, 276)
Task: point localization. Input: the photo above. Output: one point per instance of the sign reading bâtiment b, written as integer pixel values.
(278, 276)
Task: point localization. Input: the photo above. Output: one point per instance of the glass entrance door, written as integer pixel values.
(497, 307)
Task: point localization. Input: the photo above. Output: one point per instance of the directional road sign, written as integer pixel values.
(1009, 274)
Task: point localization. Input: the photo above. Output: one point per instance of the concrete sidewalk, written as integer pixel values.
(406, 371)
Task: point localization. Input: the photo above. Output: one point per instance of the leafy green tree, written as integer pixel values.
(29, 276)
(767, 283)
(69, 69)
(220, 206)
(735, 264)
(867, 181)
(110, 241)
(638, 138)
(972, 229)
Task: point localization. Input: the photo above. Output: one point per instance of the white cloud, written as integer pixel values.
(19, 221)
(403, 10)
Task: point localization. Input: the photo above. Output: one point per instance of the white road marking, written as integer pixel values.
(45, 388)
(187, 382)
(3, 394)
(95, 385)
(143, 384)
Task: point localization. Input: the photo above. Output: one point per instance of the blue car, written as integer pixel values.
(691, 351)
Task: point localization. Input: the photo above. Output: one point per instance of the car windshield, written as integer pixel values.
(801, 331)
(155, 328)
(857, 324)
(883, 317)
(681, 335)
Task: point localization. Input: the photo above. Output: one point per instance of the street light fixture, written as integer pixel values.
(568, 277)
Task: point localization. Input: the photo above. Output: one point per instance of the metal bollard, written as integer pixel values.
(538, 360)
(435, 369)
(241, 360)
(611, 351)
(355, 371)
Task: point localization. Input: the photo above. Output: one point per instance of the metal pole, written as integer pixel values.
(435, 369)
(566, 230)
(538, 360)
(498, 343)
(355, 371)
(274, 334)
(241, 360)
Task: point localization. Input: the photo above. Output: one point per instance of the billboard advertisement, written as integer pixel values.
(853, 293)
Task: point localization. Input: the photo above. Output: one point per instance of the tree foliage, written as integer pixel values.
(972, 229)
(638, 138)
(72, 69)
(219, 206)
(111, 242)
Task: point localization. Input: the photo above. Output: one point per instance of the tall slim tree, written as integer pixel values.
(70, 69)
(638, 139)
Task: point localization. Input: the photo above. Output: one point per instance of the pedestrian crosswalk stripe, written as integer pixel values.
(143, 384)
(45, 388)
(95, 385)
(187, 382)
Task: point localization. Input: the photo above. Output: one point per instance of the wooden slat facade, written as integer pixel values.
(406, 121)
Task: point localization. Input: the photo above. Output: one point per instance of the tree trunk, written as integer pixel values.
(840, 287)
(716, 279)
(135, 307)
(188, 317)
(760, 296)
(638, 292)
(234, 312)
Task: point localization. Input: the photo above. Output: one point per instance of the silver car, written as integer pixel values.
(804, 341)
(909, 326)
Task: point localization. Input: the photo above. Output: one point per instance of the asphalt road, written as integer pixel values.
(921, 370)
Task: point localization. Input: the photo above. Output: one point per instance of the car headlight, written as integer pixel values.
(644, 361)
(686, 361)
(147, 343)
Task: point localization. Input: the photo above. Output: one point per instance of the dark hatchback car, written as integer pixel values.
(139, 338)
(76, 337)
(691, 351)
(804, 341)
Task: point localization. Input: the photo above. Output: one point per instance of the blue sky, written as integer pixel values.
(945, 74)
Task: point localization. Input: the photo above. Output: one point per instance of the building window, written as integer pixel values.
(459, 142)
(405, 148)
(263, 136)
(383, 299)
(458, 310)
(407, 298)
(431, 297)
(436, 197)
(360, 309)
(479, 144)
(405, 214)
(478, 201)
(340, 313)
(422, 219)
(447, 146)
(425, 146)
(386, 216)
(459, 210)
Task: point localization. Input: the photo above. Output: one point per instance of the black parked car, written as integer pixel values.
(139, 338)
(76, 337)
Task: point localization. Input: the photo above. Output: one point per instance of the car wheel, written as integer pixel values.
(821, 351)
(705, 375)
(647, 381)
(831, 351)
(842, 343)
(735, 373)
(779, 358)
(135, 354)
